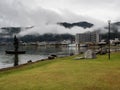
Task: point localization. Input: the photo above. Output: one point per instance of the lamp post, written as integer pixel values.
(109, 25)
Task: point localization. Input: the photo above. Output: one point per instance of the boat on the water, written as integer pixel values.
(13, 52)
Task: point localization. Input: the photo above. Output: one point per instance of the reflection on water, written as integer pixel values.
(33, 53)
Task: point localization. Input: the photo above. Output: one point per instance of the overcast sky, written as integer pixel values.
(99, 9)
(45, 13)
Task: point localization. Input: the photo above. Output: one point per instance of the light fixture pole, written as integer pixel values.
(109, 27)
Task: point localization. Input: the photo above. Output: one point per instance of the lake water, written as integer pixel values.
(33, 53)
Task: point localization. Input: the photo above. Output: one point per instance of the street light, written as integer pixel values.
(109, 25)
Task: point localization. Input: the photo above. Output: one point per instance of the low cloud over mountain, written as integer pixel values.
(15, 13)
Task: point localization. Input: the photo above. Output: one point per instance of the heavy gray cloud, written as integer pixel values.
(44, 14)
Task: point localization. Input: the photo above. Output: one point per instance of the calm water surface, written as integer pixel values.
(33, 53)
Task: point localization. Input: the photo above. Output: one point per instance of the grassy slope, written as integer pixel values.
(65, 74)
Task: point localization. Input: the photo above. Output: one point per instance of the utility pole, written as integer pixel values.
(109, 27)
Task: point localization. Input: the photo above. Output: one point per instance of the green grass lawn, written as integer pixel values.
(65, 74)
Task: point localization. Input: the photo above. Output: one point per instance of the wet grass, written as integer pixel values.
(65, 74)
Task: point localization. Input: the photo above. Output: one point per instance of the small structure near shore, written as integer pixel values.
(52, 56)
(89, 54)
(102, 50)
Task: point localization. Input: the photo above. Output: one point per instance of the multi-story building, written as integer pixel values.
(93, 37)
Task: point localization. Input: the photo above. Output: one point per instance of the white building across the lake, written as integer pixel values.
(93, 37)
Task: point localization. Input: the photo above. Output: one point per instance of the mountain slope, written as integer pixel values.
(83, 24)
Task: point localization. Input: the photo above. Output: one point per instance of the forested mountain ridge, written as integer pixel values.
(82, 24)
